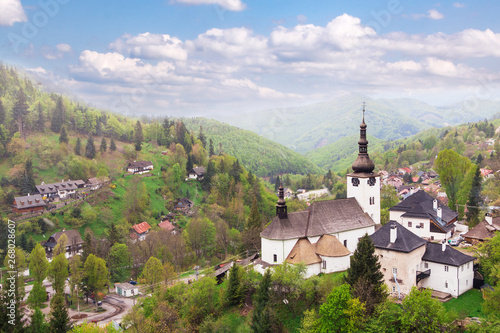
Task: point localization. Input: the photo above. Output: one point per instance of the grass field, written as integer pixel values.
(467, 305)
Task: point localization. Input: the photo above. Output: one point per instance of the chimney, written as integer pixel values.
(394, 234)
(443, 245)
(440, 213)
(435, 204)
(489, 219)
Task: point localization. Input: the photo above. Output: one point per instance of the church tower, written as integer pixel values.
(364, 184)
(281, 209)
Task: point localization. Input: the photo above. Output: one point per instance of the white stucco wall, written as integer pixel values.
(281, 248)
(396, 216)
(336, 264)
(458, 280)
(352, 236)
(363, 192)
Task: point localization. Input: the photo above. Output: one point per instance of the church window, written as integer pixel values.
(446, 268)
(275, 257)
(372, 181)
(393, 289)
(345, 243)
(324, 264)
(446, 284)
(372, 200)
(355, 182)
(394, 270)
(409, 224)
(426, 265)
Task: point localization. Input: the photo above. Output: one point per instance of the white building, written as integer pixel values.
(435, 221)
(408, 260)
(325, 235)
(126, 289)
(140, 167)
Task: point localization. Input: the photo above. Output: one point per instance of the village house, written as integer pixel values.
(139, 231)
(484, 230)
(28, 204)
(167, 226)
(184, 205)
(73, 245)
(61, 190)
(95, 183)
(288, 192)
(140, 167)
(326, 234)
(127, 289)
(408, 260)
(196, 173)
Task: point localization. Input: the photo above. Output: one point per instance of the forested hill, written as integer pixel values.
(255, 152)
(309, 127)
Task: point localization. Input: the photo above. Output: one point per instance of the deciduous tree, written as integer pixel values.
(58, 272)
(119, 263)
(451, 168)
(153, 272)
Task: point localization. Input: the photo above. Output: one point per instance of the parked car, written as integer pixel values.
(454, 241)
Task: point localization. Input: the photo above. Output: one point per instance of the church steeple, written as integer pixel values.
(281, 209)
(363, 164)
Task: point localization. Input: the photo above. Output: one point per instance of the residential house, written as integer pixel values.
(95, 183)
(196, 173)
(28, 204)
(435, 221)
(288, 193)
(483, 230)
(184, 205)
(404, 171)
(140, 167)
(486, 173)
(139, 231)
(127, 289)
(62, 190)
(395, 181)
(409, 261)
(167, 226)
(73, 245)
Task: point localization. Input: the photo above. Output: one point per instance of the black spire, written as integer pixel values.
(281, 206)
(363, 163)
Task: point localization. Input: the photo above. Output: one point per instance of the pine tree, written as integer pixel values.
(113, 235)
(254, 220)
(38, 324)
(64, 136)
(364, 274)
(235, 292)
(28, 181)
(211, 151)
(138, 137)
(40, 123)
(277, 184)
(104, 146)
(202, 137)
(261, 322)
(59, 319)
(475, 199)
(90, 148)
(78, 147)
(189, 163)
(112, 145)
(58, 116)
(20, 110)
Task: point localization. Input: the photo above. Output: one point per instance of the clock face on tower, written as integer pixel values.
(372, 181)
(355, 182)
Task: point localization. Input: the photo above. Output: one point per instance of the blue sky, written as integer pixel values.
(203, 57)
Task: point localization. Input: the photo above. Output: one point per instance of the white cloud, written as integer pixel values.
(11, 12)
(37, 70)
(459, 5)
(151, 46)
(432, 14)
(233, 5)
(65, 48)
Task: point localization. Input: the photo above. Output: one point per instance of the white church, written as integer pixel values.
(326, 234)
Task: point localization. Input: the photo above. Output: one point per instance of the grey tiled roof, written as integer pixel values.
(29, 201)
(420, 205)
(322, 217)
(449, 256)
(406, 241)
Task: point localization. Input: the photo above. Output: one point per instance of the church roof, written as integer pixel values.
(434, 253)
(303, 251)
(406, 241)
(322, 217)
(330, 246)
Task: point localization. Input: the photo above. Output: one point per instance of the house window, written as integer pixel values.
(324, 264)
(275, 257)
(345, 243)
(421, 225)
(394, 270)
(426, 265)
(372, 200)
(466, 282)
(446, 284)
(468, 265)
(409, 224)
(393, 289)
(462, 268)
(446, 268)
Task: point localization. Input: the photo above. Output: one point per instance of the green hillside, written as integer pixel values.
(255, 152)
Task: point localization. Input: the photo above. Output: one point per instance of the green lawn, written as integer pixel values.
(467, 305)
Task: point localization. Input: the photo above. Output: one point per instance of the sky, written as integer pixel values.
(207, 57)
